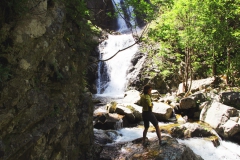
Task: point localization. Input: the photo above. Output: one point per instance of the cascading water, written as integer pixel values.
(125, 22)
(112, 73)
(118, 65)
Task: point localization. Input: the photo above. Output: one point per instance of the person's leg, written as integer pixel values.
(158, 132)
(144, 135)
(154, 121)
(146, 126)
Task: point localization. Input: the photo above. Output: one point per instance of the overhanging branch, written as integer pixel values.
(138, 40)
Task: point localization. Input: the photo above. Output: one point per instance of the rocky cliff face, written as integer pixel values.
(45, 110)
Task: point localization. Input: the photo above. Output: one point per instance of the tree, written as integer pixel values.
(222, 20)
(203, 31)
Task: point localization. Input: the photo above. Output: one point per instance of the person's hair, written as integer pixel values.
(146, 88)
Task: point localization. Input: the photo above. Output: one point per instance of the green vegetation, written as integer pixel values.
(80, 42)
(197, 38)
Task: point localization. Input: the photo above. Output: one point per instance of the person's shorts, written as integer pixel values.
(149, 117)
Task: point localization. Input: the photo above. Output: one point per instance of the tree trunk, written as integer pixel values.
(214, 65)
(228, 66)
(186, 70)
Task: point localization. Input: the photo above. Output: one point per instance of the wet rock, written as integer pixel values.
(134, 150)
(109, 121)
(190, 130)
(101, 137)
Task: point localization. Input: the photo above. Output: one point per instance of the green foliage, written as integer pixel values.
(206, 30)
(142, 8)
(76, 9)
(166, 73)
(79, 14)
(146, 10)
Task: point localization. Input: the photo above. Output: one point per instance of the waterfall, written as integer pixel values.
(125, 20)
(112, 74)
(115, 79)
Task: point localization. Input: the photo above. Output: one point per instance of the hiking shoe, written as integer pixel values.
(162, 143)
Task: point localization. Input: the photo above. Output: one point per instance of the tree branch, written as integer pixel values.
(138, 40)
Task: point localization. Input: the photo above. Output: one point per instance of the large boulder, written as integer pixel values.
(230, 99)
(190, 130)
(134, 81)
(221, 118)
(131, 96)
(109, 121)
(197, 85)
(101, 137)
(136, 110)
(122, 110)
(131, 112)
(192, 100)
(190, 106)
(162, 111)
(187, 103)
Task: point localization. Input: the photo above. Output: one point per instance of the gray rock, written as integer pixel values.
(218, 116)
(171, 151)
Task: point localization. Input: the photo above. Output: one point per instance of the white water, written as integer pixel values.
(129, 134)
(226, 151)
(123, 21)
(118, 65)
(115, 84)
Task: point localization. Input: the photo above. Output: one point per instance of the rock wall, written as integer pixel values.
(149, 73)
(45, 109)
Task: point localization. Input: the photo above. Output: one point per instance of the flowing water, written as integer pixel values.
(200, 146)
(112, 74)
(226, 151)
(126, 20)
(112, 82)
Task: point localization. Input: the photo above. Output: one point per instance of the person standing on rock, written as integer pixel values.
(148, 116)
